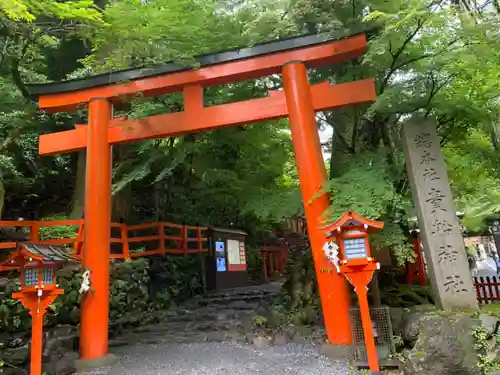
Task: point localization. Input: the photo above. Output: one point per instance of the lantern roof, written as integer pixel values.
(352, 218)
(30, 252)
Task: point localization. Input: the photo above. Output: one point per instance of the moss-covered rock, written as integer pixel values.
(444, 344)
(410, 327)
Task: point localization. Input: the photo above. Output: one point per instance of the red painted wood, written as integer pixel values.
(487, 289)
(319, 55)
(324, 96)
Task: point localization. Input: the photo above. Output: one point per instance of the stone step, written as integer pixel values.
(239, 306)
(267, 289)
(230, 300)
(187, 328)
(242, 291)
(236, 297)
(152, 338)
(214, 314)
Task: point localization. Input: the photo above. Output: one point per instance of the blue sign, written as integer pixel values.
(220, 248)
(221, 264)
(220, 253)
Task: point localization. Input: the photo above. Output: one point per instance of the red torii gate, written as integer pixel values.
(299, 102)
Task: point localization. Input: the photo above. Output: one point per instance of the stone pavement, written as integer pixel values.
(227, 358)
(212, 335)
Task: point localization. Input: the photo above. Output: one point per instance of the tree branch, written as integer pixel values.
(4, 52)
(496, 5)
(14, 70)
(422, 57)
(355, 127)
(395, 56)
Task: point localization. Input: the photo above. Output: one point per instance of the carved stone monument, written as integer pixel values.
(440, 230)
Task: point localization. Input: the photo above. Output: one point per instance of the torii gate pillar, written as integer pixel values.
(95, 304)
(334, 293)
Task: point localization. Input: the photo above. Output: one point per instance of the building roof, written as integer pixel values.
(228, 231)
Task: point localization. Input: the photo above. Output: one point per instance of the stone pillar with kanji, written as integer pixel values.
(440, 229)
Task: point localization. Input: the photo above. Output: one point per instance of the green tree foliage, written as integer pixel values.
(143, 33)
(28, 30)
(473, 168)
(30, 10)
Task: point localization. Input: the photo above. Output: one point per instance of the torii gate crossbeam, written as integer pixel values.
(299, 101)
(324, 97)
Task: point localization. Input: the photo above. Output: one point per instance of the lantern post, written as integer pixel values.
(37, 265)
(357, 265)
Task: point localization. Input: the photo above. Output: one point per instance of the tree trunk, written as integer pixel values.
(388, 141)
(121, 204)
(157, 192)
(340, 147)
(371, 133)
(78, 201)
(121, 201)
(337, 157)
(495, 135)
(374, 287)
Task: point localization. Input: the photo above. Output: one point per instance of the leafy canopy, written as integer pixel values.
(29, 10)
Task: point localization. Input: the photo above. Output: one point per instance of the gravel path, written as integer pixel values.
(221, 359)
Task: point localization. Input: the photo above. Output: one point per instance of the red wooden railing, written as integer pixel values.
(487, 289)
(33, 232)
(163, 238)
(296, 224)
(274, 257)
(273, 262)
(418, 266)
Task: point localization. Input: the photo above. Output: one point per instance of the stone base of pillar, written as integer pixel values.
(335, 351)
(89, 364)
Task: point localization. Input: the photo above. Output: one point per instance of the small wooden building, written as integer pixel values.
(226, 265)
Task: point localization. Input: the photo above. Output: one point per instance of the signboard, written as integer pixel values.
(354, 248)
(243, 255)
(236, 255)
(233, 252)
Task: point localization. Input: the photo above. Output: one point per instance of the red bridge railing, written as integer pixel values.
(127, 241)
(273, 262)
(296, 224)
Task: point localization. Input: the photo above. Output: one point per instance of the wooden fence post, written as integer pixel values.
(185, 239)
(124, 238)
(161, 230)
(263, 256)
(34, 234)
(202, 259)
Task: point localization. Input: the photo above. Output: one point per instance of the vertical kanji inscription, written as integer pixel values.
(441, 236)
